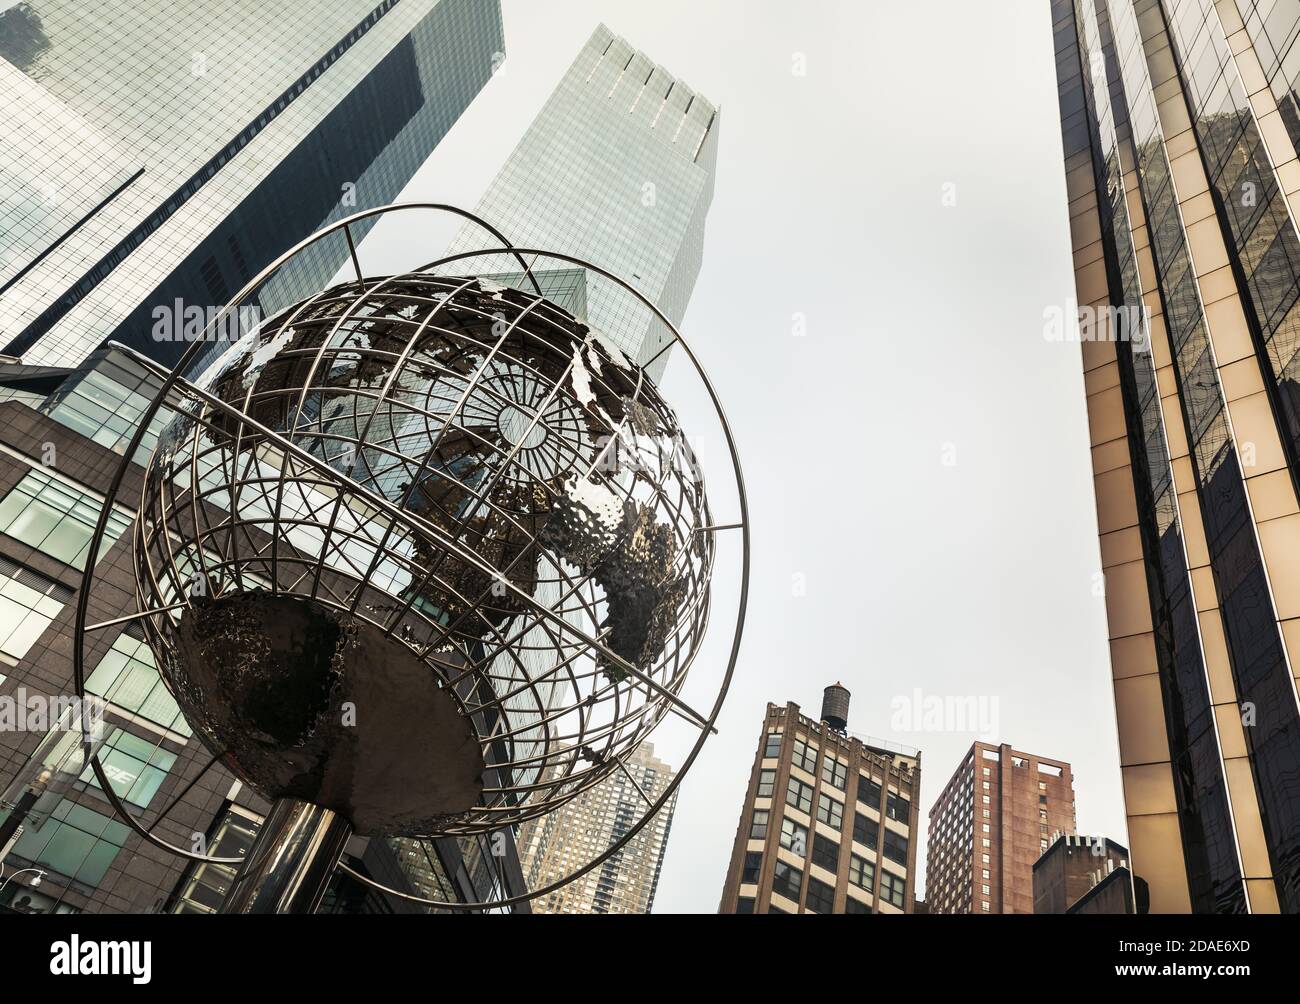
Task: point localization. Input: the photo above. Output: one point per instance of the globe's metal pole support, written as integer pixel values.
(291, 861)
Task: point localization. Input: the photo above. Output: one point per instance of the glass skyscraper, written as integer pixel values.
(617, 169)
(1180, 143)
(155, 156)
(138, 174)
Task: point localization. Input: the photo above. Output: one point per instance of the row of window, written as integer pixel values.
(866, 831)
(834, 772)
(56, 518)
(28, 604)
(75, 841)
(789, 881)
(829, 810)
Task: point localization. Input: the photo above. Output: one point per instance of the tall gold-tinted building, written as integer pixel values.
(829, 823)
(996, 816)
(1180, 134)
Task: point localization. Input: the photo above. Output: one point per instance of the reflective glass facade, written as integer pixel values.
(1258, 226)
(446, 870)
(1181, 217)
(94, 863)
(127, 678)
(1274, 27)
(104, 399)
(616, 169)
(56, 518)
(76, 842)
(138, 172)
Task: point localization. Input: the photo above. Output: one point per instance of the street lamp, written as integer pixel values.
(34, 883)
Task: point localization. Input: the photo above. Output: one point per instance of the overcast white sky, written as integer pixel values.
(924, 344)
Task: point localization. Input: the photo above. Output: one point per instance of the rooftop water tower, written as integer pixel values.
(835, 707)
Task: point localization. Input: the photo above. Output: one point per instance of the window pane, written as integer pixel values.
(826, 852)
(787, 880)
(134, 766)
(821, 897)
(75, 841)
(865, 831)
(127, 678)
(28, 603)
(794, 838)
(56, 518)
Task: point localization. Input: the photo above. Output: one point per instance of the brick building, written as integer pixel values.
(829, 823)
(993, 820)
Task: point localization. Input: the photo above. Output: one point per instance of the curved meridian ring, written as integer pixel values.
(497, 449)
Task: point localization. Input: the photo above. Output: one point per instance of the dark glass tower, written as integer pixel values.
(143, 176)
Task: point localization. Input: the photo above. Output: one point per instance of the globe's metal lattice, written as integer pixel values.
(439, 483)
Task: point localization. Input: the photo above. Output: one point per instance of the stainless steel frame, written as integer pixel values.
(661, 693)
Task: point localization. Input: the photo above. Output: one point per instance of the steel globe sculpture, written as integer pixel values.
(426, 551)
(404, 476)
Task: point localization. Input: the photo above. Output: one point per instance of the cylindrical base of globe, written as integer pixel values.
(291, 860)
